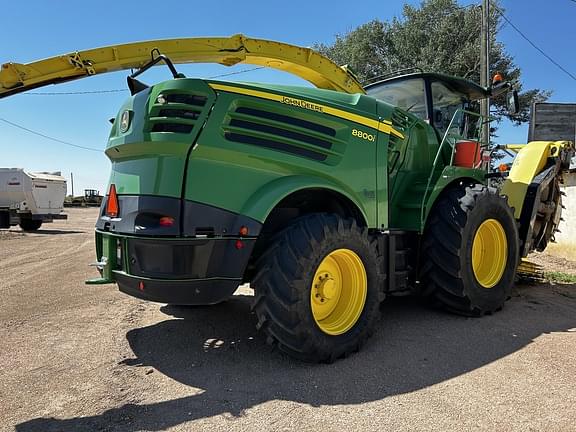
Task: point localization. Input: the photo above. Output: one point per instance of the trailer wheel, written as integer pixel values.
(318, 287)
(30, 224)
(470, 251)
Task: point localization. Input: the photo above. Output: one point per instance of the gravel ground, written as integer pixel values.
(88, 358)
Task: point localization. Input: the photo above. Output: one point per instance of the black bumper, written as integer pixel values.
(176, 270)
(198, 259)
(182, 292)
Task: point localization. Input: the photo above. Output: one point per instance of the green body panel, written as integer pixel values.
(250, 180)
(385, 176)
(414, 182)
(145, 162)
(354, 103)
(450, 175)
(239, 177)
(409, 167)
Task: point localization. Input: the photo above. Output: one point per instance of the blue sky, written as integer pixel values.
(45, 28)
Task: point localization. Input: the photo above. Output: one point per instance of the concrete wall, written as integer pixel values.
(565, 245)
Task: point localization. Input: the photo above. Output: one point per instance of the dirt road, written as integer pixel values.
(88, 358)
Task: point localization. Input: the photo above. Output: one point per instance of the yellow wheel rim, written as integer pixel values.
(489, 253)
(338, 291)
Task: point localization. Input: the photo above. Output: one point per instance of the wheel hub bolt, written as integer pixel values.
(326, 289)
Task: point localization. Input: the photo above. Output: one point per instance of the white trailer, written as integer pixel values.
(29, 199)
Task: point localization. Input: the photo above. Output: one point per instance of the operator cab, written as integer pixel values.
(443, 101)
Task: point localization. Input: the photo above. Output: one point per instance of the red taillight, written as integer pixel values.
(166, 221)
(112, 203)
(239, 244)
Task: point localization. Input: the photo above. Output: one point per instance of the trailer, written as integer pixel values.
(30, 199)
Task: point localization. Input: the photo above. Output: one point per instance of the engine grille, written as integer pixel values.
(288, 134)
(178, 113)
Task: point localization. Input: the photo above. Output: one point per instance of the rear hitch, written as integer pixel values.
(107, 263)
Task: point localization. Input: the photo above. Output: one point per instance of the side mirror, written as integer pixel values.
(512, 102)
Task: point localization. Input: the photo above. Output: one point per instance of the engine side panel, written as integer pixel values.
(251, 144)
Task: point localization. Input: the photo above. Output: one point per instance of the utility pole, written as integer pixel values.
(485, 68)
(72, 181)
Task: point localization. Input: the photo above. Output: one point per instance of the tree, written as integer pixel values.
(437, 36)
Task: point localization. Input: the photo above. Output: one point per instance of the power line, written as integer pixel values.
(75, 92)
(125, 90)
(558, 65)
(239, 72)
(48, 137)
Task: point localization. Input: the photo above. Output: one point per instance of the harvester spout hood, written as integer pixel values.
(228, 51)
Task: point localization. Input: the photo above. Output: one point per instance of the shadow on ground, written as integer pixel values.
(217, 349)
(54, 232)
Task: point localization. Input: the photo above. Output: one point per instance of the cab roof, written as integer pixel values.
(461, 85)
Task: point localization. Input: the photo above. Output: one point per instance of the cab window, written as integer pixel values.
(409, 95)
(445, 102)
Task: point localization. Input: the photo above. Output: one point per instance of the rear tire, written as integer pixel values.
(30, 224)
(470, 251)
(318, 288)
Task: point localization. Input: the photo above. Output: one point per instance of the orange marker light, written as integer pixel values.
(503, 167)
(497, 78)
(243, 230)
(112, 204)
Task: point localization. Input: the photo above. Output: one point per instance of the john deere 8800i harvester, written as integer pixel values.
(325, 199)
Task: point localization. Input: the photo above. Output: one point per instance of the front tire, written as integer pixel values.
(30, 224)
(318, 288)
(470, 251)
